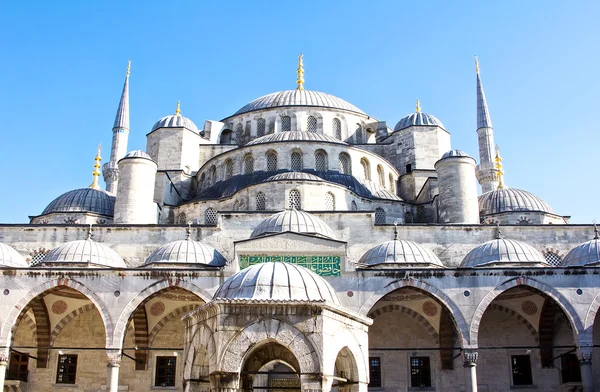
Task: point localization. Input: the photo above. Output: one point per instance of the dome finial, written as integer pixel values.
(188, 231)
(395, 230)
(498, 233)
(89, 233)
(96, 172)
(178, 110)
(476, 64)
(499, 171)
(128, 68)
(300, 80)
(418, 109)
(595, 231)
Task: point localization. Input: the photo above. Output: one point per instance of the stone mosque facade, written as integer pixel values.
(299, 244)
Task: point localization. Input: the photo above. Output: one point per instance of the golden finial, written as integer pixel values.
(418, 106)
(178, 110)
(476, 64)
(128, 67)
(395, 230)
(96, 172)
(300, 80)
(499, 170)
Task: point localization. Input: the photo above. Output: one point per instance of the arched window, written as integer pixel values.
(239, 133)
(359, 134)
(321, 161)
(294, 199)
(226, 136)
(228, 169)
(392, 183)
(271, 161)
(260, 201)
(353, 206)
(311, 124)
(344, 164)
(366, 168)
(330, 201)
(202, 183)
(336, 126)
(379, 216)
(286, 123)
(182, 219)
(381, 176)
(296, 161)
(213, 175)
(210, 216)
(261, 126)
(248, 164)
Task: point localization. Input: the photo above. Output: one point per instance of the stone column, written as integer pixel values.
(114, 363)
(584, 353)
(470, 365)
(4, 357)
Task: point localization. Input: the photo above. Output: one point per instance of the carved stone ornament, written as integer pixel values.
(469, 357)
(584, 353)
(114, 360)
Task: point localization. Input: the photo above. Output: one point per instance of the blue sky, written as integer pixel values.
(64, 64)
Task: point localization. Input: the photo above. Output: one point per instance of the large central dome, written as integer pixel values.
(298, 98)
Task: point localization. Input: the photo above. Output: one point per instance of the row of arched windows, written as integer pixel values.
(210, 217)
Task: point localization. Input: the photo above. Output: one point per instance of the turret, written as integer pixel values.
(457, 199)
(135, 195)
(120, 131)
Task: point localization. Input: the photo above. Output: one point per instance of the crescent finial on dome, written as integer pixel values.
(499, 170)
(178, 110)
(300, 72)
(96, 172)
(418, 108)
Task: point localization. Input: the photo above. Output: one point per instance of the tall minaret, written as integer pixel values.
(486, 172)
(120, 130)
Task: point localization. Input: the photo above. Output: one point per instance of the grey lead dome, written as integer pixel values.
(403, 252)
(586, 254)
(292, 136)
(9, 257)
(508, 199)
(455, 153)
(295, 221)
(87, 252)
(175, 121)
(185, 252)
(277, 282)
(83, 200)
(137, 154)
(504, 253)
(418, 119)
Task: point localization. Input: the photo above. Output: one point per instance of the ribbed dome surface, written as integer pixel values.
(298, 98)
(418, 118)
(401, 251)
(137, 154)
(507, 199)
(501, 251)
(293, 136)
(586, 254)
(293, 176)
(9, 257)
(277, 282)
(295, 221)
(186, 252)
(175, 121)
(385, 194)
(83, 200)
(455, 153)
(84, 251)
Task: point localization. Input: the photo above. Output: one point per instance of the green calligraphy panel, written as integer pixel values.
(321, 265)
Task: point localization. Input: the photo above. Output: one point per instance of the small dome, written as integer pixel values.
(277, 281)
(508, 199)
(137, 154)
(586, 254)
(401, 252)
(175, 121)
(84, 251)
(298, 98)
(295, 221)
(83, 200)
(293, 176)
(9, 257)
(293, 136)
(418, 119)
(504, 253)
(455, 153)
(186, 252)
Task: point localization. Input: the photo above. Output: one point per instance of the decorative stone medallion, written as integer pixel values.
(529, 307)
(430, 309)
(59, 307)
(157, 308)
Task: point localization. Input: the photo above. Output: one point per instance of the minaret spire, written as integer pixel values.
(300, 72)
(483, 114)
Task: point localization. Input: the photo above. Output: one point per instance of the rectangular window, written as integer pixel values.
(420, 372)
(570, 369)
(165, 371)
(67, 369)
(375, 372)
(521, 369)
(18, 366)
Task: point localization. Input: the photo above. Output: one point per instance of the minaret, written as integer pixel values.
(119, 140)
(486, 172)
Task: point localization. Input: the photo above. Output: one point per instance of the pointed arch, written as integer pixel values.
(176, 313)
(410, 313)
(65, 320)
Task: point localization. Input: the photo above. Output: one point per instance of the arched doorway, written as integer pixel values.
(345, 377)
(270, 367)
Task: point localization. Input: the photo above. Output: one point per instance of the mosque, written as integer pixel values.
(299, 244)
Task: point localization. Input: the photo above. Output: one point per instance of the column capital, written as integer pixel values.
(584, 353)
(114, 358)
(470, 357)
(4, 357)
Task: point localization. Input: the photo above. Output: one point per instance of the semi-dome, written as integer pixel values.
(508, 200)
(504, 253)
(185, 252)
(87, 251)
(294, 136)
(586, 254)
(455, 153)
(175, 121)
(294, 176)
(83, 200)
(298, 98)
(418, 119)
(137, 154)
(277, 281)
(295, 221)
(402, 252)
(9, 257)
(385, 194)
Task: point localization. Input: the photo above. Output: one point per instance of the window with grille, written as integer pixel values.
(521, 369)
(67, 369)
(296, 161)
(366, 169)
(210, 217)
(38, 256)
(271, 162)
(286, 123)
(379, 216)
(359, 134)
(353, 206)
(374, 372)
(420, 372)
(321, 161)
(381, 176)
(239, 133)
(392, 184)
(311, 124)
(344, 164)
(249, 164)
(261, 126)
(260, 201)
(182, 219)
(228, 169)
(165, 371)
(553, 258)
(18, 366)
(336, 126)
(294, 199)
(329, 201)
(569, 369)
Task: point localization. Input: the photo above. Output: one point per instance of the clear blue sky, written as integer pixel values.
(64, 63)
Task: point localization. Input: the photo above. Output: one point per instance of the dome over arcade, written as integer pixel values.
(9, 257)
(187, 253)
(86, 251)
(175, 121)
(418, 118)
(295, 221)
(586, 254)
(509, 200)
(277, 281)
(83, 200)
(294, 136)
(294, 176)
(502, 252)
(402, 252)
